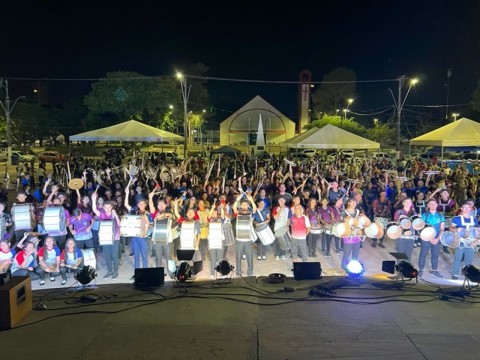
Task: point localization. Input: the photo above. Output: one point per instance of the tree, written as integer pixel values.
(383, 133)
(348, 124)
(331, 97)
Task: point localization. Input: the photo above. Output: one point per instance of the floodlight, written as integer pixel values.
(224, 267)
(406, 270)
(471, 273)
(86, 275)
(183, 272)
(355, 269)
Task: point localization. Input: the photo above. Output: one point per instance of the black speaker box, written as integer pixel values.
(307, 270)
(149, 277)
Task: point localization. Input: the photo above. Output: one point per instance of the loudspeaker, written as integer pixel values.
(149, 277)
(16, 300)
(307, 270)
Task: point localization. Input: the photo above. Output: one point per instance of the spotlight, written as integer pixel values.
(355, 269)
(471, 273)
(183, 272)
(406, 270)
(86, 275)
(224, 267)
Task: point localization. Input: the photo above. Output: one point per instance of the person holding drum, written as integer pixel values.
(405, 243)
(261, 219)
(244, 209)
(57, 230)
(316, 229)
(327, 220)
(163, 249)
(337, 209)
(215, 238)
(203, 214)
(445, 205)
(351, 244)
(281, 214)
(139, 243)
(49, 260)
(462, 224)
(300, 229)
(382, 210)
(80, 225)
(436, 220)
(23, 215)
(71, 259)
(110, 251)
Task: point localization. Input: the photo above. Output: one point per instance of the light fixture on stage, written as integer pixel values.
(355, 269)
(407, 270)
(86, 275)
(472, 274)
(224, 267)
(183, 272)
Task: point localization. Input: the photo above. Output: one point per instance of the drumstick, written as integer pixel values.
(218, 170)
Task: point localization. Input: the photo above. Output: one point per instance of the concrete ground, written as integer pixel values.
(374, 317)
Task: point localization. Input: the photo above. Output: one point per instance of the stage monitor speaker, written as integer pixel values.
(149, 277)
(15, 300)
(307, 270)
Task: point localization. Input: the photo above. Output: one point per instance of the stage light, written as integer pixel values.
(406, 270)
(86, 275)
(183, 272)
(471, 273)
(355, 269)
(224, 267)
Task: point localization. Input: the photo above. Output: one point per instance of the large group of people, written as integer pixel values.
(260, 205)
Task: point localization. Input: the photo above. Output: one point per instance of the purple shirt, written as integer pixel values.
(81, 225)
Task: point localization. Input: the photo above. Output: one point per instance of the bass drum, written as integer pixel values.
(428, 233)
(341, 229)
(89, 258)
(265, 234)
(393, 231)
(54, 219)
(22, 217)
(450, 239)
(215, 235)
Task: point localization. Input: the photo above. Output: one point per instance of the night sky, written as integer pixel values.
(249, 40)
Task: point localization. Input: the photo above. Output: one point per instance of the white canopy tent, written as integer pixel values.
(331, 137)
(128, 131)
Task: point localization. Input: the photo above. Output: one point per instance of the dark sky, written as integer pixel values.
(250, 40)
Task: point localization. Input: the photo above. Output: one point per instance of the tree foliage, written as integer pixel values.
(385, 134)
(333, 96)
(348, 124)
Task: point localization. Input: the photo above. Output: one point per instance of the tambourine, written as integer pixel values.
(75, 184)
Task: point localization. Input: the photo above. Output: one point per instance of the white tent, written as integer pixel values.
(128, 131)
(330, 137)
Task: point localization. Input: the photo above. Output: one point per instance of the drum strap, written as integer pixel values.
(467, 225)
(260, 214)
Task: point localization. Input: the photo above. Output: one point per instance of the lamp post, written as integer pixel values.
(400, 103)
(455, 115)
(345, 111)
(8, 110)
(185, 95)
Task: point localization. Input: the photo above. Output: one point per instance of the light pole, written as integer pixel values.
(185, 95)
(455, 115)
(399, 104)
(345, 111)
(375, 122)
(8, 110)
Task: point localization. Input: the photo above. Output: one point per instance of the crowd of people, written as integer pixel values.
(261, 205)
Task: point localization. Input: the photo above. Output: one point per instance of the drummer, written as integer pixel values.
(351, 244)
(244, 246)
(405, 243)
(216, 215)
(55, 201)
(382, 208)
(464, 221)
(261, 217)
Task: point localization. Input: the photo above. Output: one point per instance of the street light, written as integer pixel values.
(8, 110)
(375, 122)
(455, 115)
(345, 111)
(185, 95)
(399, 104)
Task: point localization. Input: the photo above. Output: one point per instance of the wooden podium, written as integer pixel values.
(15, 300)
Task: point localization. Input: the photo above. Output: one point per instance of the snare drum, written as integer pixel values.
(54, 219)
(187, 235)
(89, 258)
(229, 237)
(132, 225)
(162, 230)
(265, 234)
(244, 227)
(106, 232)
(215, 235)
(22, 216)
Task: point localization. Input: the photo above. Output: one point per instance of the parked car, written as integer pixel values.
(15, 153)
(50, 156)
(382, 156)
